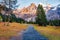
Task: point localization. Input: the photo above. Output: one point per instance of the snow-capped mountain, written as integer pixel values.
(53, 13)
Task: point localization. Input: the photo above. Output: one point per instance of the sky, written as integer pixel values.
(25, 3)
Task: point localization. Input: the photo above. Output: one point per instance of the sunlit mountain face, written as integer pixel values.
(27, 13)
(27, 10)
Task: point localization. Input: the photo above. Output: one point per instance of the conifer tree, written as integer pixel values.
(41, 17)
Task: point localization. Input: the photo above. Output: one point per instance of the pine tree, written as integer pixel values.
(41, 17)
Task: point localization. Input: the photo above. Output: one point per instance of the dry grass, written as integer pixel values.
(12, 29)
(51, 32)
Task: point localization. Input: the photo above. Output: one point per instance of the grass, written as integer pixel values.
(50, 32)
(12, 29)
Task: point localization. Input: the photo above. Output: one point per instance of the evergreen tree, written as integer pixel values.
(54, 22)
(13, 18)
(1, 19)
(41, 17)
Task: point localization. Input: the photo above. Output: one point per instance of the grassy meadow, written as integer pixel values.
(51, 32)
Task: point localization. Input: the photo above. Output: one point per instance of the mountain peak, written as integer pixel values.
(29, 10)
(32, 4)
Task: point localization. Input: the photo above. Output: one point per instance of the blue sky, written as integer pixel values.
(24, 3)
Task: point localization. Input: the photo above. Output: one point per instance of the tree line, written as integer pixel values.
(10, 18)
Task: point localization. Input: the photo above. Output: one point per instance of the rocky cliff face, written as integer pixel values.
(29, 10)
(27, 13)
